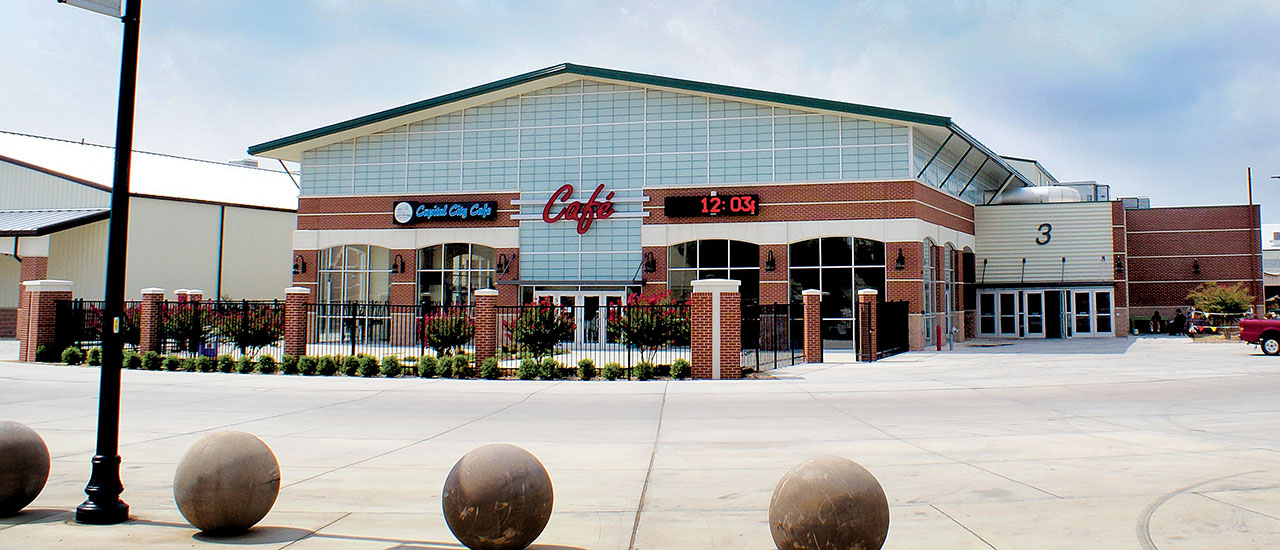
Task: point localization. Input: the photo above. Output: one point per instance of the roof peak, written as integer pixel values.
(85, 143)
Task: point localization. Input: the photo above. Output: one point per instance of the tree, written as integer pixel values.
(540, 326)
(649, 323)
(447, 329)
(1220, 298)
(252, 326)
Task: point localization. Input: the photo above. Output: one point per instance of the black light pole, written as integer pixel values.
(104, 506)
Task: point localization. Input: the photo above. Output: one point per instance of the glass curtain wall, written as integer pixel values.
(355, 273)
(451, 273)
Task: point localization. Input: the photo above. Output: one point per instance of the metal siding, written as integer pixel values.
(257, 257)
(172, 245)
(1081, 232)
(79, 255)
(9, 274)
(23, 188)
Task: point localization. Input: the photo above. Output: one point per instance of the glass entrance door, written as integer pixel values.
(1033, 305)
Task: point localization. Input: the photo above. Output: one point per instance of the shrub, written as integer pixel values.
(681, 369)
(226, 363)
(244, 365)
(489, 369)
(444, 367)
(1221, 298)
(369, 366)
(152, 360)
(391, 366)
(252, 327)
(649, 323)
(267, 364)
(307, 365)
(351, 365)
(463, 367)
(131, 360)
(288, 364)
(95, 357)
(644, 370)
(586, 368)
(528, 370)
(327, 366)
(204, 363)
(550, 369)
(661, 371)
(45, 354)
(447, 329)
(611, 371)
(186, 324)
(427, 367)
(72, 355)
(541, 326)
(410, 364)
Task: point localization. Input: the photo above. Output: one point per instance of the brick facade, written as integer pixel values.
(486, 334)
(812, 325)
(40, 315)
(149, 319)
(708, 359)
(295, 320)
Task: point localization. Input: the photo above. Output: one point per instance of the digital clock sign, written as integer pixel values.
(700, 206)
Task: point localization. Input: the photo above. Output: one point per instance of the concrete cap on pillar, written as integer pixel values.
(486, 292)
(297, 290)
(868, 292)
(811, 292)
(181, 291)
(152, 290)
(715, 285)
(47, 285)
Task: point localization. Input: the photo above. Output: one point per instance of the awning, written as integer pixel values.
(34, 223)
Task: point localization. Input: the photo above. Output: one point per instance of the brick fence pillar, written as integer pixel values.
(486, 334)
(195, 295)
(40, 309)
(812, 325)
(149, 320)
(716, 329)
(295, 320)
(180, 295)
(867, 315)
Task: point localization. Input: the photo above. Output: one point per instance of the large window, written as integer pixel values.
(839, 267)
(451, 273)
(929, 272)
(355, 273)
(714, 259)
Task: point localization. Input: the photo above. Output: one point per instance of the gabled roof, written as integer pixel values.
(607, 74)
(34, 223)
(152, 174)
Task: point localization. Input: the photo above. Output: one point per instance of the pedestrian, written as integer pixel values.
(1179, 324)
(1156, 322)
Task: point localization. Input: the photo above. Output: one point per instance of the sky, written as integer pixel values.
(1167, 99)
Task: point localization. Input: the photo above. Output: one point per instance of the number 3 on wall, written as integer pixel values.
(1045, 235)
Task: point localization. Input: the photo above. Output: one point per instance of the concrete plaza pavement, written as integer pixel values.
(1111, 443)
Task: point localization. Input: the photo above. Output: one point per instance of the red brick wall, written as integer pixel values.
(1163, 244)
(374, 212)
(812, 328)
(40, 326)
(701, 337)
(8, 322)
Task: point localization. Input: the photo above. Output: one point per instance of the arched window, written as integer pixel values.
(714, 258)
(929, 273)
(451, 273)
(355, 273)
(839, 267)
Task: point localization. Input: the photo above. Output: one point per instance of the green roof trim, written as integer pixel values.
(624, 76)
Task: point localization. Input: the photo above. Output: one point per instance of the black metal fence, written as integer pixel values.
(213, 328)
(605, 333)
(771, 336)
(380, 329)
(893, 333)
(80, 323)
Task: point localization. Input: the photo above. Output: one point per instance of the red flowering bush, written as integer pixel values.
(448, 329)
(649, 323)
(252, 327)
(540, 326)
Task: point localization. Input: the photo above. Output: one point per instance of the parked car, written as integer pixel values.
(1262, 332)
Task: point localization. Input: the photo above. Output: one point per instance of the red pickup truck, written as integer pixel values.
(1262, 332)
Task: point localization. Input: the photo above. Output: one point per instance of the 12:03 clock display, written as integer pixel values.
(711, 205)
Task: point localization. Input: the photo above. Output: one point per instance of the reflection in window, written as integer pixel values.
(355, 273)
(714, 259)
(451, 273)
(839, 267)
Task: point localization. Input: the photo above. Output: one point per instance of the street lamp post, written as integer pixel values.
(104, 507)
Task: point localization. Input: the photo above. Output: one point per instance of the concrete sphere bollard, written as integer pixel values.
(226, 483)
(497, 497)
(828, 502)
(24, 466)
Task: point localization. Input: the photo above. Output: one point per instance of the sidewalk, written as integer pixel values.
(1137, 443)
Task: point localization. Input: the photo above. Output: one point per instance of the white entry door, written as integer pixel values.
(1033, 308)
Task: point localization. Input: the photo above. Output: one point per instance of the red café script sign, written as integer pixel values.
(584, 213)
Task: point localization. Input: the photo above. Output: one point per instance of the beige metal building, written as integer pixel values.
(222, 228)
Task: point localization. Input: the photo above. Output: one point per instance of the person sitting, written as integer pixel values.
(1156, 323)
(1179, 323)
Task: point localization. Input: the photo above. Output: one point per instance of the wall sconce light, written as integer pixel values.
(397, 265)
(1195, 267)
(504, 263)
(299, 265)
(1119, 266)
(900, 263)
(650, 263)
(769, 263)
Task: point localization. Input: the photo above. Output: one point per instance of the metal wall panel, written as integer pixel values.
(1043, 234)
(26, 189)
(257, 259)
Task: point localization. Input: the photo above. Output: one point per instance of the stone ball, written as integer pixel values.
(828, 503)
(226, 483)
(24, 466)
(497, 497)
